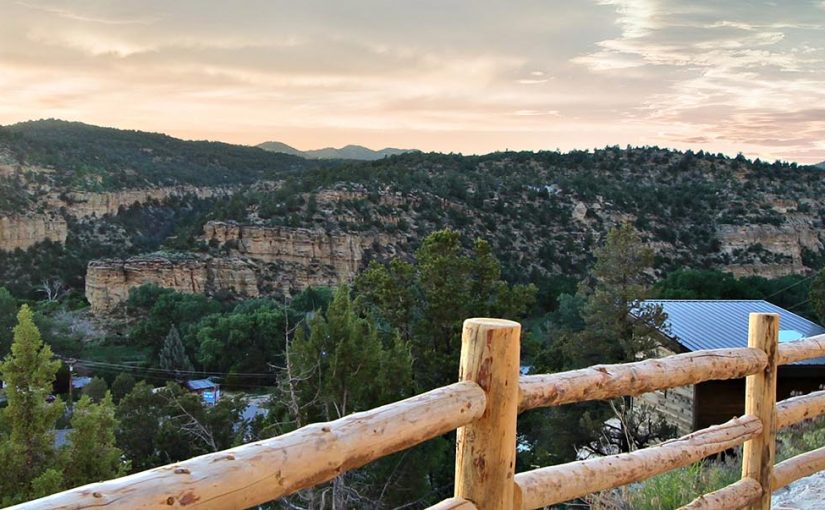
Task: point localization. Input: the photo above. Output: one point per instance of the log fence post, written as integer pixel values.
(486, 448)
(760, 401)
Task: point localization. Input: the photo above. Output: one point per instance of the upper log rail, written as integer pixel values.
(800, 350)
(262, 471)
(603, 382)
(484, 405)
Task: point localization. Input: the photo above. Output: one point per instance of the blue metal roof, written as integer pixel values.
(720, 324)
(200, 384)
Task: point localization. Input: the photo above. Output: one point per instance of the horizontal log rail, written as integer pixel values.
(609, 381)
(800, 350)
(454, 504)
(796, 409)
(556, 484)
(798, 467)
(736, 495)
(262, 471)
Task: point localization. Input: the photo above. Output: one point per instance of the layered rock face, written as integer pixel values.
(26, 229)
(108, 281)
(23, 231)
(786, 241)
(86, 204)
(301, 257)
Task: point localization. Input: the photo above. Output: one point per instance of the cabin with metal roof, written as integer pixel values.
(209, 390)
(694, 325)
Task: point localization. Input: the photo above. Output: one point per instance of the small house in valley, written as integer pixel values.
(207, 389)
(694, 325)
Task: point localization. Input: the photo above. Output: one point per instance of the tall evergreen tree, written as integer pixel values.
(92, 455)
(8, 313)
(605, 322)
(27, 453)
(428, 301)
(173, 355)
(350, 369)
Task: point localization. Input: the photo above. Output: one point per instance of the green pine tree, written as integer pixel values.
(27, 453)
(173, 355)
(355, 371)
(92, 455)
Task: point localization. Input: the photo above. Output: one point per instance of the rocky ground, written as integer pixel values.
(805, 494)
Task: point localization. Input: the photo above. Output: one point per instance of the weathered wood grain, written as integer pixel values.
(796, 409)
(609, 381)
(798, 467)
(760, 401)
(807, 348)
(555, 484)
(733, 497)
(486, 448)
(262, 471)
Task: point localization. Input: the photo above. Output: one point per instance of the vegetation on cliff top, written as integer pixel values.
(94, 158)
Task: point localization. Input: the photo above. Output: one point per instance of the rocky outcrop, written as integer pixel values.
(786, 242)
(23, 231)
(300, 257)
(27, 229)
(108, 281)
(82, 204)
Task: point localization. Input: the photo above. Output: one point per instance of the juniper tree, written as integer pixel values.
(607, 323)
(96, 389)
(92, 455)
(173, 354)
(351, 369)
(27, 452)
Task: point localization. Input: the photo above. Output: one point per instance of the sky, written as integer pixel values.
(470, 76)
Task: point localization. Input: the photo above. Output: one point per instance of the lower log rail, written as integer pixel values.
(603, 382)
(733, 497)
(556, 484)
(796, 409)
(798, 467)
(262, 471)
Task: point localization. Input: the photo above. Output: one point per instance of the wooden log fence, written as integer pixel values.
(483, 408)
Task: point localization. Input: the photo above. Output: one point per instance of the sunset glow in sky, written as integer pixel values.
(470, 76)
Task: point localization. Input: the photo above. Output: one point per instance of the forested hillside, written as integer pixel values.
(542, 213)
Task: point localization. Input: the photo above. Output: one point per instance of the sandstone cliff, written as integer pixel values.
(785, 243)
(108, 281)
(24, 231)
(82, 204)
(297, 258)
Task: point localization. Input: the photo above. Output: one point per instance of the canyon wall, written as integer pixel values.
(83, 204)
(297, 258)
(24, 231)
(108, 281)
(786, 242)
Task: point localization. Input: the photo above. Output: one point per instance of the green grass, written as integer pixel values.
(679, 487)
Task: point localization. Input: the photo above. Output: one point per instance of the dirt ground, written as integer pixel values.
(805, 494)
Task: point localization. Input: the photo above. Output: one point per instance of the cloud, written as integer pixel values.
(470, 76)
(747, 78)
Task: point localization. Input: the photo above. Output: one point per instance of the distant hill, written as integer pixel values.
(96, 158)
(280, 147)
(820, 165)
(356, 152)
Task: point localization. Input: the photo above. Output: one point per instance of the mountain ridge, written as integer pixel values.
(351, 151)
